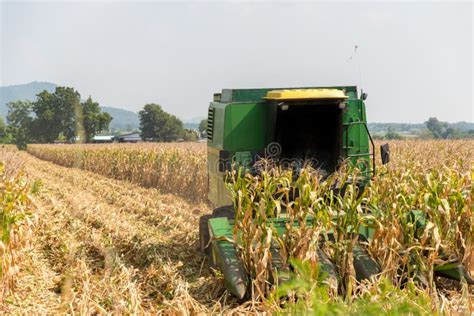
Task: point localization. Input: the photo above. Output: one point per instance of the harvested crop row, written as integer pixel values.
(171, 168)
(107, 246)
(15, 213)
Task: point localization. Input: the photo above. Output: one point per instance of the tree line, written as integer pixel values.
(431, 129)
(54, 116)
(61, 115)
(160, 126)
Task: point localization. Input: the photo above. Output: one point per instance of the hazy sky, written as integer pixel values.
(416, 59)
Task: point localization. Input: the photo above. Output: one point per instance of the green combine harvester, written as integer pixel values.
(322, 124)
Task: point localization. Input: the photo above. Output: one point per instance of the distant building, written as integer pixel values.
(57, 141)
(129, 138)
(100, 139)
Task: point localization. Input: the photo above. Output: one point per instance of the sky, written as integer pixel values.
(414, 59)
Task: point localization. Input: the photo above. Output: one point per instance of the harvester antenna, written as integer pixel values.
(355, 56)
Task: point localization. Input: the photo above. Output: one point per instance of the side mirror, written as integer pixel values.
(385, 153)
(363, 96)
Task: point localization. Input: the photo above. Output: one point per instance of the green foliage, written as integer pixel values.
(190, 135)
(437, 128)
(391, 134)
(203, 127)
(22, 92)
(425, 134)
(158, 125)
(433, 128)
(54, 115)
(307, 294)
(305, 278)
(6, 136)
(94, 120)
(3, 129)
(444, 130)
(20, 123)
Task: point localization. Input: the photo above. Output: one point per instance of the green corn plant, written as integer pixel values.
(311, 210)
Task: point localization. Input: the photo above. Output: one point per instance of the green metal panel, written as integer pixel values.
(217, 124)
(245, 126)
(217, 192)
(355, 138)
(225, 255)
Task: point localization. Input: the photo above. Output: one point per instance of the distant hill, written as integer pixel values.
(122, 119)
(193, 123)
(463, 126)
(194, 120)
(22, 92)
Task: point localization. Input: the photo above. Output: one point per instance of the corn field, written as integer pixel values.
(172, 168)
(114, 230)
(433, 181)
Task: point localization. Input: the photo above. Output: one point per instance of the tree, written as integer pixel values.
(3, 130)
(442, 129)
(425, 134)
(190, 135)
(391, 134)
(56, 114)
(203, 127)
(436, 127)
(158, 125)
(94, 121)
(20, 123)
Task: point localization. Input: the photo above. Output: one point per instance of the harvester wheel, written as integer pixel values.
(364, 265)
(224, 211)
(204, 236)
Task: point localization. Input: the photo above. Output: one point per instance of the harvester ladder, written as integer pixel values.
(346, 147)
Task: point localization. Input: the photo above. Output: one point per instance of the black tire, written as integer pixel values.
(364, 265)
(224, 211)
(204, 236)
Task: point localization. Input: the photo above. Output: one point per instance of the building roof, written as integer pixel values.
(129, 136)
(103, 137)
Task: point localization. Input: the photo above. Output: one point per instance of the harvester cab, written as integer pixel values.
(322, 126)
(291, 126)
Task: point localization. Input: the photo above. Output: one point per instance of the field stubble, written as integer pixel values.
(101, 245)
